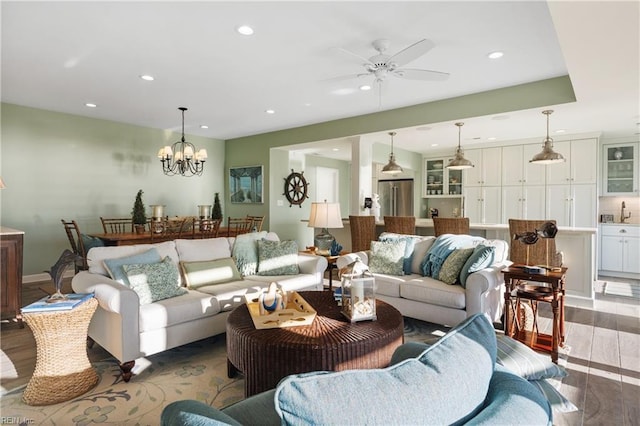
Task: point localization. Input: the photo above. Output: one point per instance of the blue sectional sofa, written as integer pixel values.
(454, 381)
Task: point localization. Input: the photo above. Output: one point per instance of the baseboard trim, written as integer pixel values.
(38, 278)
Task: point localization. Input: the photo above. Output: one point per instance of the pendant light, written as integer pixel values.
(459, 162)
(392, 167)
(548, 155)
(182, 158)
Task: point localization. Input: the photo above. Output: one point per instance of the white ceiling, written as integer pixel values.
(60, 55)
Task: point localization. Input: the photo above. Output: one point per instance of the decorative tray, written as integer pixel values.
(297, 312)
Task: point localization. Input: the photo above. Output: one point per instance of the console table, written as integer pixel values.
(11, 247)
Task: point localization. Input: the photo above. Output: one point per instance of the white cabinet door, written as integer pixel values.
(611, 250)
(473, 203)
(621, 169)
(487, 168)
(512, 165)
(533, 174)
(533, 197)
(584, 157)
(631, 262)
(473, 176)
(559, 204)
(492, 205)
(558, 174)
(513, 204)
(583, 206)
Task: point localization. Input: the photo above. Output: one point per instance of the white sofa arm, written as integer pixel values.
(485, 291)
(111, 295)
(349, 258)
(312, 264)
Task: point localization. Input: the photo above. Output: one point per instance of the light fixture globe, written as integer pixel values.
(548, 155)
(459, 162)
(392, 167)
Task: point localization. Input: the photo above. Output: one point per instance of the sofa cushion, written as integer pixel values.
(154, 281)
(115, 266)
(525, 362)
(203, 249)
(387, 257)
(97, 255)
(430, 386)
(232, 294)
(197, 274)
(277, 257)
(410, 241)
(557, 400)
(245, 252)
(389, 285)
(420, 250)
(288, 282)
(432, 291)
(177, 310)
(450, 271)
(482, 257)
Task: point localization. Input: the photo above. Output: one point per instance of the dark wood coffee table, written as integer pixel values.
(330, 343)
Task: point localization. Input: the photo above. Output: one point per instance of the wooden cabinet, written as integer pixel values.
(620, 249)
(11, 243)
(487, 170)
(621, 169)
(440, 181)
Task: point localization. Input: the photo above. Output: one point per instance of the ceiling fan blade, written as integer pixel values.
(412, 52)
(362, 59)
(416, 74)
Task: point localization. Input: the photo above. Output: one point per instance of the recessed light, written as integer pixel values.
(560, 131)
(204, 126)
(365, 87)
(434, 144)
(495, 55)
(307, 104)
(335, 149)
(147, 77)
(245, 30)
(90, 105)
(492, 138)
(270, 111)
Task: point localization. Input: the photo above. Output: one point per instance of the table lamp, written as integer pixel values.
(324, 215)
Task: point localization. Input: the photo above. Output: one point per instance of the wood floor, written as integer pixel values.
(603, 363)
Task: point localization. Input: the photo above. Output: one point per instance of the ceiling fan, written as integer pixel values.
(381, 65)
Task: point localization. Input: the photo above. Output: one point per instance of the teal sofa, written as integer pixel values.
(454, 381)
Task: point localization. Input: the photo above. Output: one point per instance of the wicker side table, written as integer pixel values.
(63, 370)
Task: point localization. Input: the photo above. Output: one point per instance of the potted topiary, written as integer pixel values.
(139, 215)
(216, 214)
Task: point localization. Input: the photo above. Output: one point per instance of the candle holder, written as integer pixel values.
(358, 293)
(157, 215)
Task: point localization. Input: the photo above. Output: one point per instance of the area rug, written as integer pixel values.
(194, 371)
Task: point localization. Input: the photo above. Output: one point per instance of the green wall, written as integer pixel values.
(60, 166)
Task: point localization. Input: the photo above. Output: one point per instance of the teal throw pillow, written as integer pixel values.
(387, 257)
(558, 401)
(450, 270)
(277, 257)
(482, 257)
(408, 250)
(154, 281)
(114, 266)
(210, 272)
(525, 362)
(90, 242)
(245, 252)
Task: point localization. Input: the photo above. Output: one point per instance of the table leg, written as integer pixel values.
(562, 295)
(232, 371)
(555, 304)
(507, 308)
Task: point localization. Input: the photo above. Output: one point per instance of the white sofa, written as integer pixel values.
(129, 330)
(428, 299)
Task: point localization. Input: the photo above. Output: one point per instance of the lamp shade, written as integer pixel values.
(325, 215)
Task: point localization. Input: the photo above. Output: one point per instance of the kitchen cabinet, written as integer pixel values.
(580, 166)
(516, 168)
(440, 181)
(11, 247)
(523, 202)
(487, 170)
(482, 204)
(621, 169)
(572, 205)
(620, 249)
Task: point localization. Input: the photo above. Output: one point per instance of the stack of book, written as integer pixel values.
(69, 302)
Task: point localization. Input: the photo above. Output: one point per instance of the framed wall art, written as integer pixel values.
(245, 184)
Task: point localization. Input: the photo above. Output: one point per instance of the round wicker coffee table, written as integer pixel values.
(63, 370)
(330, 343)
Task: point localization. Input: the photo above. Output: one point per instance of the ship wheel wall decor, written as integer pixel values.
(296, 188)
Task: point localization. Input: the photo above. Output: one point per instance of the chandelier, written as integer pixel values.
(182, 158)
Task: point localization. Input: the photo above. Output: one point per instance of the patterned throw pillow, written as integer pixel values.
(387, 257)
(210, 272)
(277, 257)
(450, 271)
(154, 281)
(245, 252)
(115, 266)
(482, 257)
(408, 250)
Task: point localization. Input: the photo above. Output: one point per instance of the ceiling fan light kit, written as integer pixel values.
(392, 167)
(547, 155)
(182, 158)
(459, 162)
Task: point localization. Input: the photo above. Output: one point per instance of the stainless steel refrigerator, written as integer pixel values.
(396, 197)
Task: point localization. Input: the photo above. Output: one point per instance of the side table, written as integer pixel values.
(63, 370)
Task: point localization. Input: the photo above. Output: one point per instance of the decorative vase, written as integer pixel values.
(139, 229)
(274, 299)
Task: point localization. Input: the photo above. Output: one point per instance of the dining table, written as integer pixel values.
(130, 238)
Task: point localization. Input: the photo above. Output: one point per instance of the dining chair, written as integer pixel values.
(238, 225)
(400, 224)
(117, 225)
(205, 228)
(451, 225)
(256, 222)
(170, 229)
(363, 231)
(75, 240)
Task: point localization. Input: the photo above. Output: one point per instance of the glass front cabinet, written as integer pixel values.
(621, 169)
(440, 181)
